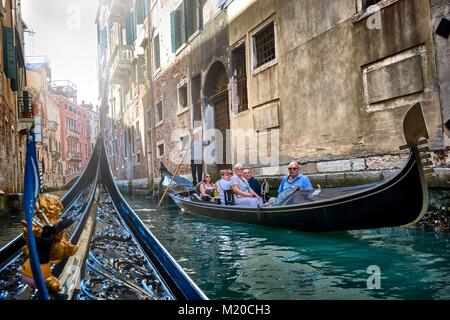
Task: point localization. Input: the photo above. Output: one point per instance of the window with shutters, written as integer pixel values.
(140, 9)
(177, 28)
(185, 22)
(192, 17)
(9, 53)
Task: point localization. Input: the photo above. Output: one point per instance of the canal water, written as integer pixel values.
(240, 261)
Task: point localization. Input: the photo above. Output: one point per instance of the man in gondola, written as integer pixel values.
(294, 180)
(197, 145)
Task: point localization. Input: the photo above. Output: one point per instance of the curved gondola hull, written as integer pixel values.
(399, 202)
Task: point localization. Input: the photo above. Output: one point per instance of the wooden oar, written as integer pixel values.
(171, 180)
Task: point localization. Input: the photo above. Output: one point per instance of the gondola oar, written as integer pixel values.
(171, 180)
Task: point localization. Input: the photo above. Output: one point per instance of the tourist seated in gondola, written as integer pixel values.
(254, 184)
(294, 180)
(223, 187)
(206, 188)
(244, 194)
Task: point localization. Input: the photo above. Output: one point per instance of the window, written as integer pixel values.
(264, 46)
(192, 16)
(196, 96)
(156, 52)
(177, 28)
(158, 112)
(138, 157)
(240, 78)
(368, 3)
(184, 22)
(160, 150)
(140, 8)
(182, 96)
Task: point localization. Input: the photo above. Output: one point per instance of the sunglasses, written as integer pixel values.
(292, 168)
(207, 176)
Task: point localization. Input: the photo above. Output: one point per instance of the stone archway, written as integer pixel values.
(217, 114)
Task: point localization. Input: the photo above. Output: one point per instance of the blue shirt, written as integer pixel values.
(301, 181)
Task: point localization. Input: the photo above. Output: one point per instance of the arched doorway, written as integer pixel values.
(217, 114)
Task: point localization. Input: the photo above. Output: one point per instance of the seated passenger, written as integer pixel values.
(224, 188)
(206, 188)
(294, 180)
(244, 195)
(254, 184)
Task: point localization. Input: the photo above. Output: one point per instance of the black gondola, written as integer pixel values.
(400, 200)
(118, 257)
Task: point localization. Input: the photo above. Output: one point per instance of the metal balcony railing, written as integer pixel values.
(121, 62)
(25, 104)
(72, 133)
(74, 156)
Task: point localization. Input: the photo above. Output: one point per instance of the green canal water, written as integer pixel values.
(240, 261)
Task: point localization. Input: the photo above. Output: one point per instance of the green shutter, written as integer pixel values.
(173, 31)
(9, 53)
(181, 24)
(129, 27)
(15, 81)
(157, 52)
(187, 8)
(140, 11)
(191, 16)
(177, 28)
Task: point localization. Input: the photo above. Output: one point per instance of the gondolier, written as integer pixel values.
(197, 144)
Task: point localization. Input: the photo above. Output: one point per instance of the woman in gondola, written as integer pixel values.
(206, 188)
(244, 195)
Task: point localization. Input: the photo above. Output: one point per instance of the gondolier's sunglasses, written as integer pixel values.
(292, 168)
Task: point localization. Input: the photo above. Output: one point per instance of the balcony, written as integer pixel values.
(122, 64)
(72, 134)
(74, 156)
(25, 104)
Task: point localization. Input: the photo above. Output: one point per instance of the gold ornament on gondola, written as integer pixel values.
(51, 240)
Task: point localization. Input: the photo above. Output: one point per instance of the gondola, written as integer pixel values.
(118, 257)
(397, 201)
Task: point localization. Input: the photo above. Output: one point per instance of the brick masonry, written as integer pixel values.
(7, 150)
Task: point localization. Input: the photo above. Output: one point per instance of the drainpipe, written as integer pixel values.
(151, 123)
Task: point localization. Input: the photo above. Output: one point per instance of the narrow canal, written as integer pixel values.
(239, 261)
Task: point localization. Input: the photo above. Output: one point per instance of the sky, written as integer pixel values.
(65, 32)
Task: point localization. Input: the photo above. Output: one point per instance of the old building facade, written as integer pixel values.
(122, 59)
(16, 112)
(324, 83)
(47, 109)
